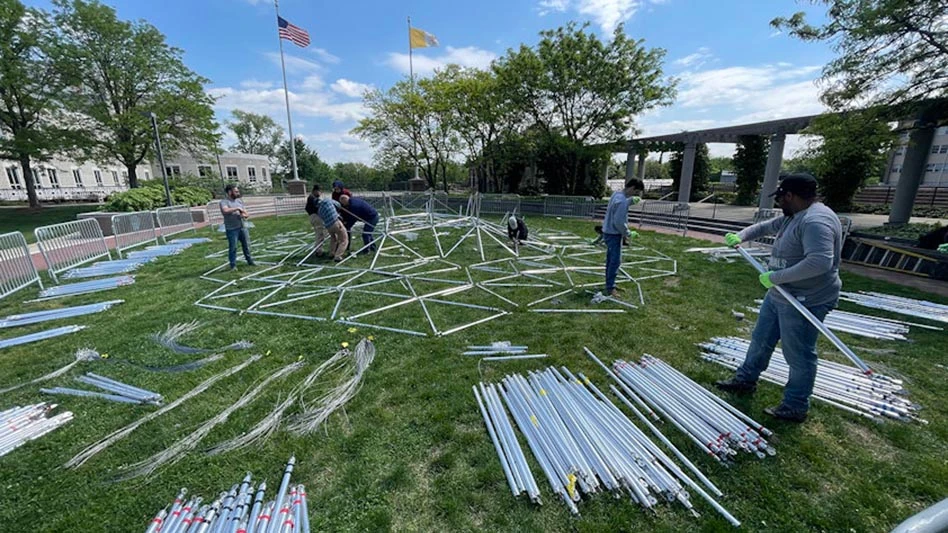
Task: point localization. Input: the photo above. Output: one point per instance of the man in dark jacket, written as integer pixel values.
(516, 231)
(356, 209)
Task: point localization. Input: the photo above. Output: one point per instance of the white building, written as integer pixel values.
(246, 170)
(936, 168)
(66, 180)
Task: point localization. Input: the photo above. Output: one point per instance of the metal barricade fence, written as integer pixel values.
(133, 229)
(289, 205)
(214, 216)
(174, 220)
(569, 206)
(665, 214)
(500, 203)
(762, 215)
(16, 265)
(70, 244)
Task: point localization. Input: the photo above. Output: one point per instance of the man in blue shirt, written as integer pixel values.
(356, 209)
(615, 226)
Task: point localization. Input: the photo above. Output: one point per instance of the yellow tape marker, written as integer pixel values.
(571, 486)
(345, 345)
(533, 419)
(352, 330)
(542, 392)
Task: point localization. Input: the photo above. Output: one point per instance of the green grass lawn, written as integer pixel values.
(25, 220)
(413, 454)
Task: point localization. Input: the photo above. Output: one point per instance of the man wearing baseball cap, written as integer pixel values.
(805, 262)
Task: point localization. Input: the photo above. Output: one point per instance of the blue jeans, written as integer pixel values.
(613, 259)
(234, 235)
(367, 228)
(779, 321)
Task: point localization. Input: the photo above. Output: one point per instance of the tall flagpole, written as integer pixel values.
(286, 95)
(411, 74)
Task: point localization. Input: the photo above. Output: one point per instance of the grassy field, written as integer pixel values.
(26, 220)
(412, 453)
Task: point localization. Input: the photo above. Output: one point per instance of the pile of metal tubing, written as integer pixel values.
(583, 443)
(40, 336)
(501, 351)
(117, 391)
(55, 314)
(242, 509)
(22, 424)
(868, 326)
(839, 385)
(85, 287)
(727, 253)
(714, 425)
(898, 304)
(106, 268)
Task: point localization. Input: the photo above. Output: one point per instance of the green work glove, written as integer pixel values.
(732, 239)
(765, 280)
(943, 248)
(631, 234)
(636, 199)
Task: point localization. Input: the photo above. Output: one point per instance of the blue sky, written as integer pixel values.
(733, 67)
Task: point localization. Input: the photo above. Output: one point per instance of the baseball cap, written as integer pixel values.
(801, 184)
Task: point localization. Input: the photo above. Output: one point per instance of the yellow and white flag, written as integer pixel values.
(421, 38)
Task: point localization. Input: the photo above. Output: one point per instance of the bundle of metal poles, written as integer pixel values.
(862, 325)
(118, 391)
(242, 509)
(85, 287)
(39, 336)
(583, 443)
(714, 425)
(55, 314)
(106, 268)
(898, 304)
(839, 385)
(22, 424)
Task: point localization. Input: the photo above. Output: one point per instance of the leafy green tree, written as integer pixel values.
(699, 175)
(750, 164)
(310, 167)
(719, 165)
(30, 85)
(119, 72)
(256, 134)
(361, 176)
(853, 148)
(890, 51)
(656, 171)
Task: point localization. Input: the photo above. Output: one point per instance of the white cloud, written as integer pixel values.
(256, 84)
(606, 13)
(304, 103)
(325, 56)
(695, 60)
(552, 6)
(294, 64)
(313, 82)
(469, 56)
(774, 33)
(352, 89)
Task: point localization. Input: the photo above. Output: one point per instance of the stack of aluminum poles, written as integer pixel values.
(839, 385)
(863, 325)
(55, 314)
(190, 241)
(585, 444)
(40, 336)
(898, 304)
(501, 351)
(714, 425)
(85, 287)
(242, 509)
(22, 424)
(106, 268)
(514, 463)
(119, 392)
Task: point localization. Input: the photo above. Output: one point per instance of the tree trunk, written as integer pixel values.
(132, 177)
(28, 180)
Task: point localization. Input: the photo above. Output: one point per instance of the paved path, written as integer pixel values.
(746, 214)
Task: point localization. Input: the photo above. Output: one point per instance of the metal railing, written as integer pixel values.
(74, 194)
(665, 214)
(133, 229)
(213, 215)
(289, 205)
(70, 244)
(500, 203)
(17, 270)
(569, 206)
(762, 215)
(174, 220)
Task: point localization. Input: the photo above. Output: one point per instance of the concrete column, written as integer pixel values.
(687, 169)
(772, 174)
(630, 166)
(642, 165)
(913, 171)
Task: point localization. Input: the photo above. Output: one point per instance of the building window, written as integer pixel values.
(943, 149)
(930, 167)
(204, 171)
(900, 150)
(263, 172)
(935, 148)
(252, 174)
(943, 131)
(98, 177)
(896, 170)
(115, 178)
(231, 173)
(147, 175)
(53, 177)
(37, 182)
(125, 177)
(77, 177)
(13, 176)
(173, 171)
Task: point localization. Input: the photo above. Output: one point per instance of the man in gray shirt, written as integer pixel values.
(232, 208)
(805, 262)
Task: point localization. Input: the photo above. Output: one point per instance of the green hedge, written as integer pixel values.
(152, 196)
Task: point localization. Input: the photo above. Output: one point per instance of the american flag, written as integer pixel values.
(297, 35)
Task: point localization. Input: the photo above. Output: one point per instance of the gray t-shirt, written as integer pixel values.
(232, 220)
(805, 256)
